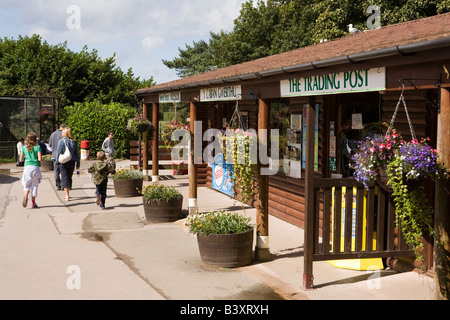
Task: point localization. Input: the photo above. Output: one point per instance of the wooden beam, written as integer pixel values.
(308, 278)
(442, 201)
(262, 208)
(155, 147)
(145, 146)
(193, 183)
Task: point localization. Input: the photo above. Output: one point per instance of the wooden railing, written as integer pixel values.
(368, 231)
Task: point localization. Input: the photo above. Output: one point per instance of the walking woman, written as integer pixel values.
(67, 168)
(31, 156)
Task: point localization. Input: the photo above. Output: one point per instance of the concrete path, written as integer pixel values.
(76, 251)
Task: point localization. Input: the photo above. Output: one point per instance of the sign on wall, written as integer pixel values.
(171, 97)
(364, 80)
(226, 93)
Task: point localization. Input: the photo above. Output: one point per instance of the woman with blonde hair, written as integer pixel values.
(67, 168)
(31, 156)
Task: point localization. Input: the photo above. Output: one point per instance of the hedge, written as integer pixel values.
(93, 120)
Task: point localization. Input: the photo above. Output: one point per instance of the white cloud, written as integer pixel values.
(151, 42)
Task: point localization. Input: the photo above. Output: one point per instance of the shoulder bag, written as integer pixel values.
(66, 156)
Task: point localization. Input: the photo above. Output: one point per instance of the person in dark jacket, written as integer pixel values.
(100, 172)
(67, 168)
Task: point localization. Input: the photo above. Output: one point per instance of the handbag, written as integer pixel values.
(66, 156)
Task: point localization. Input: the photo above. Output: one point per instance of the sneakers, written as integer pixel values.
(25, 202)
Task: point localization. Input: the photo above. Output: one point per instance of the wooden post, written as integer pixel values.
(193, 207)
(155, 146)
(308, 278)
(262, 251)
(145, 146)
(442, 201)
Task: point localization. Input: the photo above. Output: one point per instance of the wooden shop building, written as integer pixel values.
(323, 98)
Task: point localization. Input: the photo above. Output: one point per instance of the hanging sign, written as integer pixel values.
(171, 97)
(222, 176)
(226, 93)
(342, 82)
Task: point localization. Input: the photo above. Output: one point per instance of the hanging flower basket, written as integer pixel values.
(140, 125)
(400, 167)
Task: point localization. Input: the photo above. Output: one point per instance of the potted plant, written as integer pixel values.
(405, 166)
(224, 239)
(47, 162)
(161, 203)
(128, 182)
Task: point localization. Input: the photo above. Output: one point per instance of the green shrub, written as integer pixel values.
(160, 192)
(93, 120)
(127, 174)
(221, 222)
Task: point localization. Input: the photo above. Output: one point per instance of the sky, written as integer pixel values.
(140, 32)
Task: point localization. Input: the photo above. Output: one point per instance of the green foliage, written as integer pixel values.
(414, 214)
(274, 26)
(30, 67)
(221, 222)
(93, 120)
(127, 174)
(160, 192)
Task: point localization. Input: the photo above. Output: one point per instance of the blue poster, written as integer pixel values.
(222, 176)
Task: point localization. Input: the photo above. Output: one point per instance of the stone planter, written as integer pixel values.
(161, 211)
(47, 165)
(128, 188)
(226, 250)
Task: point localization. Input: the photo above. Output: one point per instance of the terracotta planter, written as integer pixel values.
(160, 211)
(128, 188)
(226, 250)
(47, 165)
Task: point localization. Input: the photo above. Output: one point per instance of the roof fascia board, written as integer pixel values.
(353, 58)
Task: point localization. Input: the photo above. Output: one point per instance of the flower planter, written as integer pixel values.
(47, 165)
(383, 179)
(161, 211)
(128, 188)
(226, 250)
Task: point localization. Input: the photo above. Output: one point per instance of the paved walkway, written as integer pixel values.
(76, 251)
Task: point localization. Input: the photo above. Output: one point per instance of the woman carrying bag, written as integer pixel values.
(65, 162)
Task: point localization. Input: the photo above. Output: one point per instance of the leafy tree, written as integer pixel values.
(275, 26)
(30, 66)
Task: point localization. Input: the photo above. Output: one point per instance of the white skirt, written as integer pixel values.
(31, 179)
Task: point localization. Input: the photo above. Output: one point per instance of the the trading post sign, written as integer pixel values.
(364, 80)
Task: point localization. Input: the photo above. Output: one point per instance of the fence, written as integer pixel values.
(367, 230)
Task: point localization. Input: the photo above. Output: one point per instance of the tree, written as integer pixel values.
(275, 26)
(30, 66)
(198, 57)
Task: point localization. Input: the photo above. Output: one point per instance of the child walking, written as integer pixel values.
(100, 171)
(31, 156)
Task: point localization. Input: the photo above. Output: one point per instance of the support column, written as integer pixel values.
(262, 251)
(442, 201)
(193, 207)
(155, 146)
(308, 278)
(145, 146)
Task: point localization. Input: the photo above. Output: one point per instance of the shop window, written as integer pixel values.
(357, 122)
